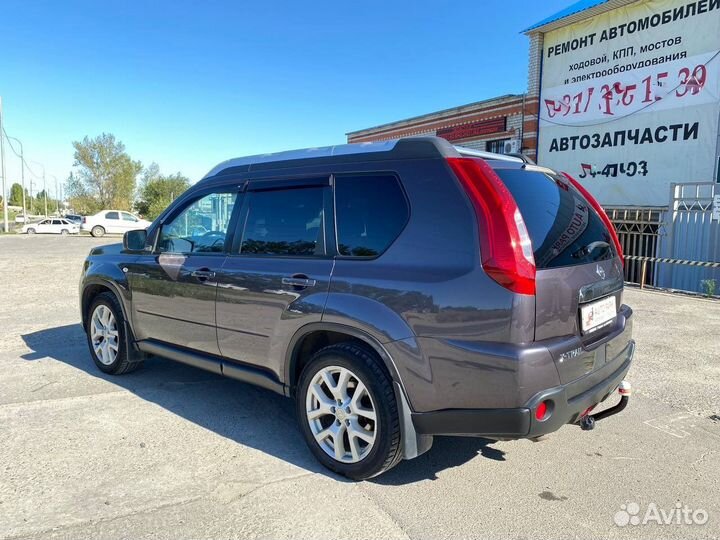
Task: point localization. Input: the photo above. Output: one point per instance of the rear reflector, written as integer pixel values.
(541, 410)
(505, 249)
(599, 209)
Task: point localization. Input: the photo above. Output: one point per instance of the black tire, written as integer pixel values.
(123, 362)
(31, 231)
(386, 450)
(64, 232)
(97, 231)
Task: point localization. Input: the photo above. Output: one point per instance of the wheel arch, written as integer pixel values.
(95, 287)
(91, 289)
(314, 336)
(299, 352)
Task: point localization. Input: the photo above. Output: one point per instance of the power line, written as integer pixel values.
(7, 138)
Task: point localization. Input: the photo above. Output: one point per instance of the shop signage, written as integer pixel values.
(474, 129)
(630, 99)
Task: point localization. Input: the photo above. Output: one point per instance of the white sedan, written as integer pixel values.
(52, 226)
(112, 221)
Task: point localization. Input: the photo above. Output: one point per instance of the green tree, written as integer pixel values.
(157, 191)
(104, 176)
(80, 201)
(39, 203)
(16, 195)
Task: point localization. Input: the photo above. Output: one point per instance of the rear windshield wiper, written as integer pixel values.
(592, 246)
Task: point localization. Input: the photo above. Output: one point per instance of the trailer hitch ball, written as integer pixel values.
(587, 423)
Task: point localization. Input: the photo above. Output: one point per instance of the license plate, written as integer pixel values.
(598, 314)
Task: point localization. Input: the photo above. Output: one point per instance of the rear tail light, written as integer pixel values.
(505, 247)
(599, 209)
(84, 219)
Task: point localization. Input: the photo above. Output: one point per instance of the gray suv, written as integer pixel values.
(396, 290)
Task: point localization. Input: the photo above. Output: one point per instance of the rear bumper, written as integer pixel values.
(566, 404)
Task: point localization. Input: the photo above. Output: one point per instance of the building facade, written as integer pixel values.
(629, 103)
(625, 96)
(506, 124)
(630, 95)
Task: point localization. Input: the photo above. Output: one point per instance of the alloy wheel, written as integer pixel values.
(104, 334)
(341, 414)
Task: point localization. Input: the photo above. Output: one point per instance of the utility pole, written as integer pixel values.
(4, 179)
(57, 195)
(22, 174)
(44, 185)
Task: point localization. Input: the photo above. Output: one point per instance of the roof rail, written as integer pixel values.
(437, 146)
(463, 151)
(323, 151)
(522, 156)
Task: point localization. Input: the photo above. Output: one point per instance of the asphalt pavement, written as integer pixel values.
(173, 452)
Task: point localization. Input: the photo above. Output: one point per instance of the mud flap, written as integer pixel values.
(413, 444)
(135, 355)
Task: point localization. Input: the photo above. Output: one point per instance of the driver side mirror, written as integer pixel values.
(135, 240)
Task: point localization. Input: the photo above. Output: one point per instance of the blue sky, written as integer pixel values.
(189, 84)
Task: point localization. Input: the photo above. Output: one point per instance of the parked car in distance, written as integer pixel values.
(75, 218)
(52, 226)
(112, 222)
(396, 290)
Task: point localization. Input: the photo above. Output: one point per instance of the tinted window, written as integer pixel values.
(200, 227)
(112, 215)
(285, 222)
(371, 212)
(563, 227)
(128, 217)
(56, 222)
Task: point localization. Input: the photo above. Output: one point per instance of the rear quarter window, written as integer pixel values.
(371, 212)
(564, 228)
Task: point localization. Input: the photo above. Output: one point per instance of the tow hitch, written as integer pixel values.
(587, 421)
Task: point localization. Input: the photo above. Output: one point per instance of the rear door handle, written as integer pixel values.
(297, 281)
(203, 274)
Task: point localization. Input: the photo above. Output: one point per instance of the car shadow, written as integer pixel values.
(243, 413)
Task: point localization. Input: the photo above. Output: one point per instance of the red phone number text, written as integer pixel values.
(613, 98)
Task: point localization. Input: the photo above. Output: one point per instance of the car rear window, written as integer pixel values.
(564, 228)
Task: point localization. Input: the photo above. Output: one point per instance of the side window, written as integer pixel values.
(45, 222)
(284, 222)
(112, 215)
(371, 211)
(200, 227)
(56, 222)
(128, 217)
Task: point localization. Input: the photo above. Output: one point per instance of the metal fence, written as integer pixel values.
(639, 231)
(675, 247)
(692, 236)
